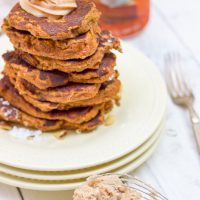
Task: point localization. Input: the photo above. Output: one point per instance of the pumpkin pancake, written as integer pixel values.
(61, 74)
(76, 48)
(75, 115)
(17, 67)
(107, 42)
(87, 126)
(65, 94)
(108, 92)
(77, 22)
(11, 114)
(100, 75)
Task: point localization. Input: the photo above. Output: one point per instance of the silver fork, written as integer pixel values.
(181, 92)
(146, 191)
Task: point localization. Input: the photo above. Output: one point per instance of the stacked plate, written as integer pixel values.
(46, 163)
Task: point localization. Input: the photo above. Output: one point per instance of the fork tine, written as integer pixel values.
(177, 75)
(171, 76)
(185, 85)
(177, 85)
(180, 76)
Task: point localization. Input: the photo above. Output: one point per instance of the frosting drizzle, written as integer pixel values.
(48, 8)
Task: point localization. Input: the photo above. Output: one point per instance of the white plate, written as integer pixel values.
(70, 185)
(77, 174)
(142, 108)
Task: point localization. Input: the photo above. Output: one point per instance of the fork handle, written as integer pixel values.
(195, 124)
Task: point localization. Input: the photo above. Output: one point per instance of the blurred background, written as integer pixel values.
(5, 6)
(124, 18)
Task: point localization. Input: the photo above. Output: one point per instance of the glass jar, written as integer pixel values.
(123, 17)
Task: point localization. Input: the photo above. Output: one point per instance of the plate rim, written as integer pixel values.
(101, 169)
(161, 88)
(10, 180)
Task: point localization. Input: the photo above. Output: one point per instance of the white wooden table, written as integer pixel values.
(175, 166)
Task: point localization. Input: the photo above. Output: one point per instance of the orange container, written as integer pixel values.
(124, 17)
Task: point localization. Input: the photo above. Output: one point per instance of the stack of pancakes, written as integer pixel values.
(61, 74)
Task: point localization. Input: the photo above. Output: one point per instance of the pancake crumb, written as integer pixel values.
(61, 134)
(110, 120)
(5, 125)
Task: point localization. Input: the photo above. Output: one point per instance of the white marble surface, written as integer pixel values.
(175, 166)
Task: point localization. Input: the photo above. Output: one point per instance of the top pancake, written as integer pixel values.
(75, 48)
(77, 22)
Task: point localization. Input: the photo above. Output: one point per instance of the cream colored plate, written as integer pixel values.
(142, 108)
(70, 185)
(77, 174)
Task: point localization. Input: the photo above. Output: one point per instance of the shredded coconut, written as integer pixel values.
(7, 113)
(109, 120)
(5, 103)
(111, 77)
(24, 133)
(10, 113)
